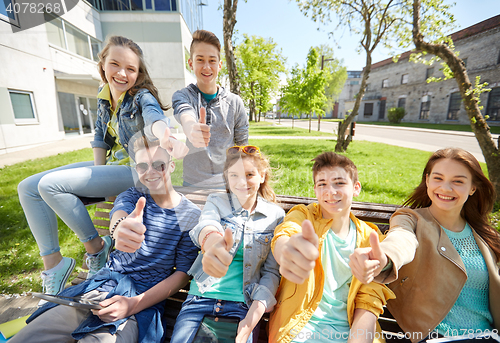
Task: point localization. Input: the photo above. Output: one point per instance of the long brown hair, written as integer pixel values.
(262, 163)
(478, 206)
(143, 79)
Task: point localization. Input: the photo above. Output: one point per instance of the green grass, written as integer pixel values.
(387, 174)
(268, 129)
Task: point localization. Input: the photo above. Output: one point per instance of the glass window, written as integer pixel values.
(115, 5)
(402, 102)
(162, 5)
(385, 83)
(354, 83)
(368, 109)
(7, 11)
(493, 110)
(96, 48)
(404, 79)
(425, 105)
(136, 5)
(498, 60)
(22, 104)
(454, 108)
(55, 33)
(77, 41)
(149, 4)
(429, 72)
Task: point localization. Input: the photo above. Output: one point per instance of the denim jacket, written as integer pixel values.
(148, 320)
(261, 271)
(136, 113)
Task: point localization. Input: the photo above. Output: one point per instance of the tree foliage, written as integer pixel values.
(305, 90)
(260, 64)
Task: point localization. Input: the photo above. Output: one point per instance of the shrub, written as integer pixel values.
(395, 114)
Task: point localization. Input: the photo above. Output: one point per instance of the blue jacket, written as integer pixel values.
(136, 113)
(255, 230)
(148, 320)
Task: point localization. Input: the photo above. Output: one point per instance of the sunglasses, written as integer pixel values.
(247, 149)
(159, 166)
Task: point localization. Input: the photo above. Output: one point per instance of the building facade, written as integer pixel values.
(48, 74)
(403, 84)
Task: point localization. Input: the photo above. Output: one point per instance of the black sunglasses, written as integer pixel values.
(159, 166)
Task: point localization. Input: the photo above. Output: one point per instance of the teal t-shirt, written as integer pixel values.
(230, 286)
(329, 322)
(471, 310)
(209, 97)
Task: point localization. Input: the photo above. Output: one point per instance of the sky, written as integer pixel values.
(294, 33)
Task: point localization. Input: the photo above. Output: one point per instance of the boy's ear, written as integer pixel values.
(190, 63)
(357, 189)
(220, 64)
(172, 166)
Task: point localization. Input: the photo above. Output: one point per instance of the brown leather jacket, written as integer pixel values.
(428, 287)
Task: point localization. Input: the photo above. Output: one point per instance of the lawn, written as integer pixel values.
(265, 128)
(387, 174)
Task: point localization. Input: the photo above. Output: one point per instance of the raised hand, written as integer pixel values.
(174, 147)
(115, 308)
(129, 234)
(216, 259)
(299, 254)
(367, 263)
(199, 133)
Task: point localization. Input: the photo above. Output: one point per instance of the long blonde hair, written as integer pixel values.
(143, 79)
(262, 163)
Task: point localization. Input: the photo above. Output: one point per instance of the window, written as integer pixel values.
(354, 83)
(498, 60)
(424, 107)
(368, 109)
(454, 108)
(77, 42)
(55, 32)
(22, 104)
(402, 102)
(493, 110)
(404, 79)
(385, 83)
(96, 47)
(429, 72)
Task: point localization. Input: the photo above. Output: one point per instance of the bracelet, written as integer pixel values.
(112, 230)
(206, 237)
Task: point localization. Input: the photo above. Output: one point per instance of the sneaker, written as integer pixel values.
(53, 283)
(96, 261)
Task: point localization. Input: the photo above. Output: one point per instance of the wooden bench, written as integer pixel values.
(371, 212)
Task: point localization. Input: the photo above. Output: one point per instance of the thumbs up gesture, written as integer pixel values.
(129, 233)
(367, 263)
(216, 259)
(199, 133)
(299, 254)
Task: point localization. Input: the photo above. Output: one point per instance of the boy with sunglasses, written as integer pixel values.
(212, 118)
(153, 254)
(319, 300)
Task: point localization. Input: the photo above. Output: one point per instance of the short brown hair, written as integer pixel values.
(204, 36)
(138, 142)
(330, 159)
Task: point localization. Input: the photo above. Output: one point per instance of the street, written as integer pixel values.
(421, 139)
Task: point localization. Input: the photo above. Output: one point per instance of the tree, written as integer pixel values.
(374, 20)
(228, 22)
(335, 75)
(442, 47)
(305, 91)
(260, 63)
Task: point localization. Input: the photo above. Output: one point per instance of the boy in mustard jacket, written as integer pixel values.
(318, 299)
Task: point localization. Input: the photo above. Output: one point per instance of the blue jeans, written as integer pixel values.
(195, 307)
(56, 191)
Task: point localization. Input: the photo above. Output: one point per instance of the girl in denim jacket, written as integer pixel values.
(236, 275)
(127, 103)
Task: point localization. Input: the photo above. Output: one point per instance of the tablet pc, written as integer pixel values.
(215, 329)
(70, 301)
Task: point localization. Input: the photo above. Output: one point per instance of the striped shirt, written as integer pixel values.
(167, 244)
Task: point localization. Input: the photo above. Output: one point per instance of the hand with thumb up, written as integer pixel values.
(129, 233)
(216, 258)
(198, 133)
(299, 254)
(367, 263)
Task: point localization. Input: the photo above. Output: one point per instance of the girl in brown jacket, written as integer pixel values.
(452, 286)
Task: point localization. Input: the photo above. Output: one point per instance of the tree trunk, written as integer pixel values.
(319, 122)
(251, 104)
(342, 141)
(478, 123)
(228, 21)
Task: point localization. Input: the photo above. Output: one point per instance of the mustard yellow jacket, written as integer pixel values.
(297, 303)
